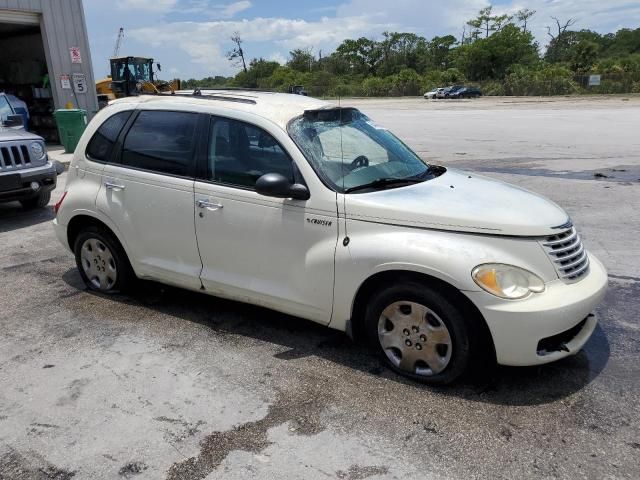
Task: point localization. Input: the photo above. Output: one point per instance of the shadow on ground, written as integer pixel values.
(302, 338)
(14, 217)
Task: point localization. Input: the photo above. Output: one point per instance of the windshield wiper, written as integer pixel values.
(384, 182)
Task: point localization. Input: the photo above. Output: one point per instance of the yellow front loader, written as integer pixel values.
(132, 76)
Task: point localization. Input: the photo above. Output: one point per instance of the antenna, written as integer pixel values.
(116, 49)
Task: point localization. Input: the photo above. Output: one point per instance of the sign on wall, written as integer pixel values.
(65, 82)
(75, 55)
(594, 80)
(79, 83)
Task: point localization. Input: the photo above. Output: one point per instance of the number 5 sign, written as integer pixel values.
(79, 83)
(75, 55)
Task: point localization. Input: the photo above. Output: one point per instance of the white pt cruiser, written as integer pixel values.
(310, 209)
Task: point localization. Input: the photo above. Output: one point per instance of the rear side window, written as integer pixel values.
(101, 144)
(161, 142)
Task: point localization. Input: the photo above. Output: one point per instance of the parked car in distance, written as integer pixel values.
(298, 90)
(431, 94)
(446, 92)
(26, 174)
(466, 92)
(311, 209)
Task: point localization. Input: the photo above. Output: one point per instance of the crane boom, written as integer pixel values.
(116, 49)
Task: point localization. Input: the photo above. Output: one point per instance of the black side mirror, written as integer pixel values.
(14, 121)
(277, 185)
(159, 67)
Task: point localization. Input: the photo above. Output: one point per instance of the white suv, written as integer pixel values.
(313, 210)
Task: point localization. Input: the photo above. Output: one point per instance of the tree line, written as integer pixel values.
(495, 52)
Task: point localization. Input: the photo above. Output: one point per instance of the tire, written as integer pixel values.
(102, 262)
(419, 332)
(41, 201)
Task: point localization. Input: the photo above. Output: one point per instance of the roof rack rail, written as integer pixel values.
(241, 89)
(198, 94)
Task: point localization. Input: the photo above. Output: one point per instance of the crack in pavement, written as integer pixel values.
(302, 406)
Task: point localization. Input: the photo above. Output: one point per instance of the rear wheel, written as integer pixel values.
(102, 262)
(41, 201)
(419, 333)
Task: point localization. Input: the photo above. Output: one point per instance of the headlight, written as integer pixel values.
(38, 150)
(507, 281)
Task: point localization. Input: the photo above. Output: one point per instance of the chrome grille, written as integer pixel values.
(14, 157)
(567, 254)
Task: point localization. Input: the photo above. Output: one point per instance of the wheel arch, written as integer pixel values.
(377, 280)
(78, 222)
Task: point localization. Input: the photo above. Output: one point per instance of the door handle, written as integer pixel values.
(113, 186)
(208, 205)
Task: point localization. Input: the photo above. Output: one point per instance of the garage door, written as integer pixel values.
(24, 18)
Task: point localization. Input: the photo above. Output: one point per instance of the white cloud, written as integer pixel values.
(207, 42)
(205, 7)
(428, 18)
(234, 8)
(148, 5)
(277, 57)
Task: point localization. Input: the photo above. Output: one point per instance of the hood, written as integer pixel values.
(11, 134)
(463, 202)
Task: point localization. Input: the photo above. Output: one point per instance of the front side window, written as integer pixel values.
(101, 144)
(240, 153)
(161, 142)
(5, 108)
(351, 153)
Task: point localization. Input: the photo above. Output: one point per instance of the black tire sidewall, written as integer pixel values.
(41, 201)
(453, 317)
(123, 268)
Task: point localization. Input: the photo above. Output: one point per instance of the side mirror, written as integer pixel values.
(159, 67)
(14, 121)
(277, 185)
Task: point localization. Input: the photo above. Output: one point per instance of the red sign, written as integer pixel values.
(75, 55)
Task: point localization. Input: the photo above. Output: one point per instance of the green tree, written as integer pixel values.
(360, 56)
(439, 52)
(487, 22)
(523, 17)
(258, 69)
(584, 55)
(491, 57)
(301, 60)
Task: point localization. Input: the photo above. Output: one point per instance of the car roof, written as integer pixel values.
(280, 108)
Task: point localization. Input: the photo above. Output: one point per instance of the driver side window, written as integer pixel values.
(240, 153)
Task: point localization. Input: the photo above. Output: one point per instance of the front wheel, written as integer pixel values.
(102, 262)
(419, 333)
(41, 201)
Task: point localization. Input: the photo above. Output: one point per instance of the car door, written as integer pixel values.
(148, 194)
(269, 251)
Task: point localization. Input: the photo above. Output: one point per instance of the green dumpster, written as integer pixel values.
(71, 124)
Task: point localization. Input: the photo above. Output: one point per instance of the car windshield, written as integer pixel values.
(352, 153)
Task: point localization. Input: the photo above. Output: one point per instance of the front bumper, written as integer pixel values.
(519, 326)
(17, 185)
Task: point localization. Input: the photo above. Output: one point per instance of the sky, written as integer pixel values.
(190, 38)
